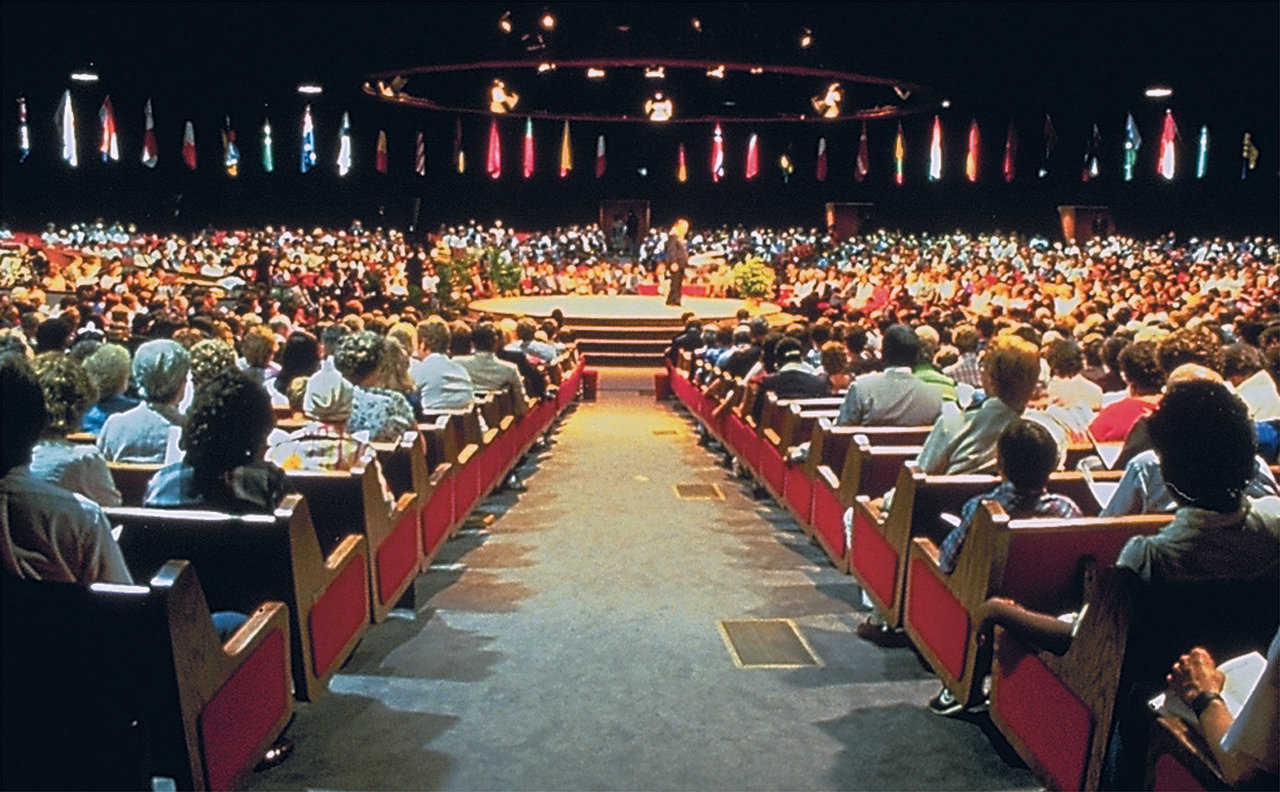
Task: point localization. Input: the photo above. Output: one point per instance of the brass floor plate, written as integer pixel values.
(699, 492)
(767, 643)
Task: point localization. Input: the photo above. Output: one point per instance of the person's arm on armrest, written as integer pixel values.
(1040, 629)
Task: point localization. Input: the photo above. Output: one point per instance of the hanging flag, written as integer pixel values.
(65, 120)
(459, 156)
(1010, 153)
(493, 163)
(230, 152)
(189, 145)
(380, 153)
(971, 159)
(717, 155)
(600, 163)
(308, 140)
(682, 171)
(150, 151)
(1091, 170)
(24, 134)
(1248, 157)
(1167, 155)
(862, 166)
(899, 154)
(420, 155)
(344, 145)
(1132, 142)
(820, 170)
(935, 151)
(268, 161)
(1050, 141)
(753, 157)
(1202, 153)
(566, 152)
(110, 145)
(787, 165)
(526, 169)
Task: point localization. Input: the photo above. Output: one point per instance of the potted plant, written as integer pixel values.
(753, 279)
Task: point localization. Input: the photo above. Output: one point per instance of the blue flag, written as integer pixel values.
(308, 140)
(1132, 141)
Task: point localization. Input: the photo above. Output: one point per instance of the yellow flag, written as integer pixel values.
(566, 152)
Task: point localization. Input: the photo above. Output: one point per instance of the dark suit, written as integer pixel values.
(795, 384)
(677, 260)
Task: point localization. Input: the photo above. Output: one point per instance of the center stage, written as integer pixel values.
(621, 330)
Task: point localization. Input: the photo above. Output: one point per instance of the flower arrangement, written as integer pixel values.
(753, 278)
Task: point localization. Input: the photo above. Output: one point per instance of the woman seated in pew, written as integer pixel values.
(68, 392)
(385, 414)
(224, 440)
(299, 359)
(108, 370)
(323, 443)
(209, 358)
(834, 360)
(141, 435)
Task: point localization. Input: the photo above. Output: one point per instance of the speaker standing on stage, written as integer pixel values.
(677, 259)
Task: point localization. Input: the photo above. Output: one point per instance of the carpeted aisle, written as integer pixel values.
(573, 645)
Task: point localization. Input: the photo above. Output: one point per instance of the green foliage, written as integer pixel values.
(753, 277)
(504, 272)
(450, 273)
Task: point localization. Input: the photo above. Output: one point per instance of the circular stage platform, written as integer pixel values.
(621, 329)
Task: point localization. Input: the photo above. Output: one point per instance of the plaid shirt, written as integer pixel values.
(1036, 503)
(966, 370)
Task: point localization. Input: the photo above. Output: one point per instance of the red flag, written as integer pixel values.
(1167, 157)
(110, 146)
(863, 165)
(1010, 153)
(600, 163)
(380, 157)
(821, 171)
(527, 170)
(189, 146)
(493, 163)
(150, 152)
(753, 157)
(971, 159)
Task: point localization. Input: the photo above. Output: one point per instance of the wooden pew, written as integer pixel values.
(343, 501)
(439, 520)
(1179, 759)
(463, 429)
(1034, 562)
(246, 559)
(131, 479)
(108, 686)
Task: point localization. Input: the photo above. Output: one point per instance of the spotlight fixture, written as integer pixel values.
(545, 67)
(655, 73)
(594, 73)
(659, 108)
(829, 104)
(533, 42)
(902, 93)
(696, 24)
(757, 70)
(1158, 92)
(499, 100)
(946, 103)
(504, 22)
(547, 20)
(806, 38)
(88, 75)
(310, 89)
(717, 73)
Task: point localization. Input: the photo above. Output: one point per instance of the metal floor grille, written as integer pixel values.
(699, 492)
(767, 643)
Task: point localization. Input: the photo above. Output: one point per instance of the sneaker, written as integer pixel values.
(945, 704)
(874, 631)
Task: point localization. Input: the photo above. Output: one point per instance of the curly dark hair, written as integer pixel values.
(1064, 358)
(358, 355)
(1190, 345)
(68, 391)
(24, 416)
(1140, 368)
(227, 424)
(1206, 444)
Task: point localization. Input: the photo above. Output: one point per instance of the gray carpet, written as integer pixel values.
(573, 645)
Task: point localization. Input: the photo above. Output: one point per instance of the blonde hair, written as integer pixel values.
(1012, 364)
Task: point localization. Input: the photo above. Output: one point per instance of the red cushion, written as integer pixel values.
(341, 610)
(1169, 775)
(437, 516)
(828, 519)
(936, 614)
(1050, 720)
(1043, 568)
(799, 493)
(240, 716)
(871, 557)
(398, 556)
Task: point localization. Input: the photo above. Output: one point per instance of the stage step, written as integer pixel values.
(628, 359)
(586, 331)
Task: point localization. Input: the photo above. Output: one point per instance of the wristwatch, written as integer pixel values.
(1201, 702)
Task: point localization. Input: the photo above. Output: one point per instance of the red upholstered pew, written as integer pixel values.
(108, 686)
(247, 559)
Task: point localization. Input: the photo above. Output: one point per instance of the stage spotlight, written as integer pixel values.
(595, 74)
(547, 20)
(946, 103)
(659, 108)
(829, 104)
(655, 73)
(806, 38)
(504, 22)
(717, 73)
(1158, 92)
(88, 75)
(499, 100)
(902, 93)
(642, 171)
(545, 67)
(310, 89)
(757, 70)
(696, 23)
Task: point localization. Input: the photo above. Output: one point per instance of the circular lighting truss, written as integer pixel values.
(804, 93)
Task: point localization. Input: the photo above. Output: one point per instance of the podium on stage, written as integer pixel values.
(847, 219)
(1081, 223)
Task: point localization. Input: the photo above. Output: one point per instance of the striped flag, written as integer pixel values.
(420, 155)
(753, 157)
(1010, 153)
(65, 119)
(109, 148)
(1132, 142)
(600, 160)
(268, 161)
(189, 145)
(308, 141)
(526, 169)
(493, 163)
(935, 151)
(820, 171)
(344, 145)
(899, 154)
(862, 166)
(682, 170)
(1168, 157)
(24, 134)
(230, 151)
(380, 156)
(150, 151)
(717, 155)
(566, 152)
